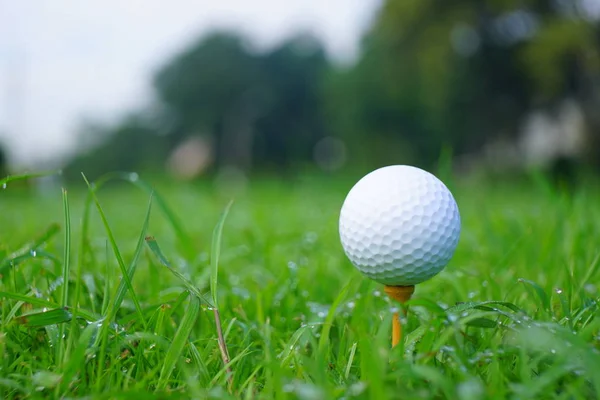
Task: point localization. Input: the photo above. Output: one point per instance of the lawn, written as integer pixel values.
(513, 315)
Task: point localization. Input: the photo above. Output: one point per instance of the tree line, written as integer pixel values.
(430, 76)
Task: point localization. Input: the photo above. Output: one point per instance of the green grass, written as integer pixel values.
(107, 293)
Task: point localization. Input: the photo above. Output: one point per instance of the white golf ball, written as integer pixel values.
(399, 225)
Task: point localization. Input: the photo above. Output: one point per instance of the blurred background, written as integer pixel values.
(192, 89)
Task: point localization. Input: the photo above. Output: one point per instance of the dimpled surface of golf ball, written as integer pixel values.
(399, 225)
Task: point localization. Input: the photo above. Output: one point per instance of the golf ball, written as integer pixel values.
(399, 225)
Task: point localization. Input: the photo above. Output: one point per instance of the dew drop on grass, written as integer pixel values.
(471, 389)
(452, 317)
(558, 291)
(350, 304)
(4, 185)
(33, 253)
(310, 237)
(472, 294)
(377, 293)
(321, 314)
(357, 388)
(292, 265)
(133, 177)
(590, 288)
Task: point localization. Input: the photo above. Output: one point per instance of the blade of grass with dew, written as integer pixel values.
(117, 253)
(50, 317)
(324, 339)
(27, 250)
(215, 253)
(65, 271)
(179, 340)
(122, 288)
(175, 223)
(539, 291)
(88, 316)
(20, 177)
(77, 357)
(200, 364)
(182, 236)
(155, 248)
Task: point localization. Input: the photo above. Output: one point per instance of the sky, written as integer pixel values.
(65, 61)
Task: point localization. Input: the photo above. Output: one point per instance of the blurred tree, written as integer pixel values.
(3, 162)
(292, 120)
(260, 108)
(133, 145)
(213, 86)
(466, 72)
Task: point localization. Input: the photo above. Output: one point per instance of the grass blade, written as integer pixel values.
(77, 356)
(20, 177)
(215, 253)
(118, 256)
(65, 270)
(324, 340)
(26, 251)
(179, 340)
(545, 301)
(51, 317)
(153, 245)
(67, 253)
(123, 286)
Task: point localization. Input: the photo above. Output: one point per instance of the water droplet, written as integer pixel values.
(558, 291)
(4, 185)
(292, 265)
(321, 314)
(33, 253)
(310, 237)
(377, 293)
(133, 177)
(472, 294)
(350, 304)
(590, 288)
(452, 317)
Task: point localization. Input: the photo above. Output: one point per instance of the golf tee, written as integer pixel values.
(401, 294)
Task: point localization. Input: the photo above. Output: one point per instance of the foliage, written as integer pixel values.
(429, 77)
(515, 314)
(461, 74)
